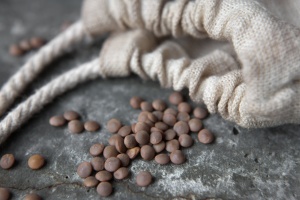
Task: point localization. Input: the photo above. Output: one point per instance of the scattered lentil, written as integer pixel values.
(97, 163)
(71, 115)
(113, 125)
(176, 98)
(205, 136)
(36, 161)
(135, 102)
(103, 176)
(177, 157)
(104, 189)
(184, 107)
(121, 173)
(90, 181)
(96, 149)
(162, 159)
(91, 126)
(110, 151)
(112, 164)
(7, 161)
(143, 179)
(75, 126)
(84, 169)
(57, 120)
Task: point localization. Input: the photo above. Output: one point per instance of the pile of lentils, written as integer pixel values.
(159, 135)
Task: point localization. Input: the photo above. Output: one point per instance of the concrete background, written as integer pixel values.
(241, 164)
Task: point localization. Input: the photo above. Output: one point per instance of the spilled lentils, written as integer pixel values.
(160, 133)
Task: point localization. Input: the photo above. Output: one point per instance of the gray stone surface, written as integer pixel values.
(241, 164)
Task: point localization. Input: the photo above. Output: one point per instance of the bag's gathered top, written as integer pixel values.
(254, 81)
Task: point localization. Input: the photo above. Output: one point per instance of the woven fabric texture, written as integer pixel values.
(253, 81)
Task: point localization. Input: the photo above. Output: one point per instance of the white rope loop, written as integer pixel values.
(45, 95)
(36, 64)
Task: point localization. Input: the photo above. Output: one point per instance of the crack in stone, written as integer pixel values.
(45, 187)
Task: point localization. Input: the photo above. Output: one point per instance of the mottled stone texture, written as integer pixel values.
(241, 164)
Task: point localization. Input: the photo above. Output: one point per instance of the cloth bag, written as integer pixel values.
(254, 83)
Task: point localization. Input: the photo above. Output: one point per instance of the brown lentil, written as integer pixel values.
(110, 151)
(159, 105)
(121, 173)
(112, 164)
(133, 152)
(36, 161)
(15, 50)
(143, 179)
(183, 116)
(104, 189)
(177, 157)
(124, 131)
(124, 158)
(181, 128)
(162, 126)
(4, 194)
(154, 129)
(169, 119)
(159, 147)
(113, 125)
(162, 159)
(84, 169)
(146, 106)
(133, 127)
(32, 196)
(113, 139)
(142, 137)
(96, 149)
(152, 117)
(97, 163)
(147, 152)
(120, 146)
(171, 111)
(195, 125)
(71, 115)
(175, 98)
(158, 115)
(57, 120)
(143, 116)
(205, 136)
(103, 176)
(142, 126)
(169, 134)
(37, 42)
(7, 161)
(25, 45)
(172, 145)
(149, 123)
(155, 137)
(90, 181)
(91, 126)
(200, 113)
(135, 102)
(184, 107)
(130, 141)
(185, 140)
(75, 126)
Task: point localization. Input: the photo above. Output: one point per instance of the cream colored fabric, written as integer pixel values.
(256, 86)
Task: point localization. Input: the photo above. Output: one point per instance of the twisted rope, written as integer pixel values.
(46, 94)
(29, 71)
